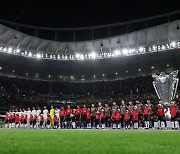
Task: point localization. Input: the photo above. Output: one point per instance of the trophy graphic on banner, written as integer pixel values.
(165, 86)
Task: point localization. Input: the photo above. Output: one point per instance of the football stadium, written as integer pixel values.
(74, 80)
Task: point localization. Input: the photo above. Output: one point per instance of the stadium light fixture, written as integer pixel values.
(152, 67)
(38, 56)
(5, 49)
(25, 53)
(127, 71)
(154, 48)
(141, 49)
(149, 49)
(139, 69)
(81, 57)
(103, 75)
(17, 51)
(116, 73)
(178, 44)
(9, 50)
(167, 65)
(163, 47)
(125, 52)
(49, 76)
(30, 54)
(94, 75)
(77, 56)
(0, 68)
(117, 52)
(93, 55)
(173, 44)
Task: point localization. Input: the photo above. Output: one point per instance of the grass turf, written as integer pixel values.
(89, 141)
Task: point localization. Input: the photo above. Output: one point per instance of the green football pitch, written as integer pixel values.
(89, 141)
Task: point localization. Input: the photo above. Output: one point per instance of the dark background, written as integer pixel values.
(81, 13)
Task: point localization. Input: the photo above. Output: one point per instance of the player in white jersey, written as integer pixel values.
(34, 112)
(45, 114)
(57, 112)
(28, 112)
(20, 112)
(38, 116)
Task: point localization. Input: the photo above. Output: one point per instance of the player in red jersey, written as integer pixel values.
(17, 120)
(173, 112)
(113, 119)
(31, 120)
(21, 119)
(6, 120)
(25, 121)
(97, 119)
(68, 116)
(62, 117)
(146, 116)
(127, 119)
(88, 118)
(118, 118)
(78, 116)
(41, 121)
(102, 117)
(135, 117)
(83, 115)
(56, 121)
(12, 119)
(160, 114)
(35, 121)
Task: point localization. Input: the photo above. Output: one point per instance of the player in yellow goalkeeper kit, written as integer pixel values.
(52, 111)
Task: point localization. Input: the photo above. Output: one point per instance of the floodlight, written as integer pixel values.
(5, 49)
(77, 56)
(38, 56)
(141, 49)
(17, 51)
(173, 44)
(93, 55)
(117, 52)
(163, 47)
(81, 57)
(9, 50)
(125, 52)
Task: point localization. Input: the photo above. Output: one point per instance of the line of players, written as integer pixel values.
(122, 116)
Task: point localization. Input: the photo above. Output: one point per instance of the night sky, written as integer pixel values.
(80, 13)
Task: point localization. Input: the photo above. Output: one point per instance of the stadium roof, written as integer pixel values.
(145, 33)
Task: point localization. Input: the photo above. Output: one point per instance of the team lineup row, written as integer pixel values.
(123, 116)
